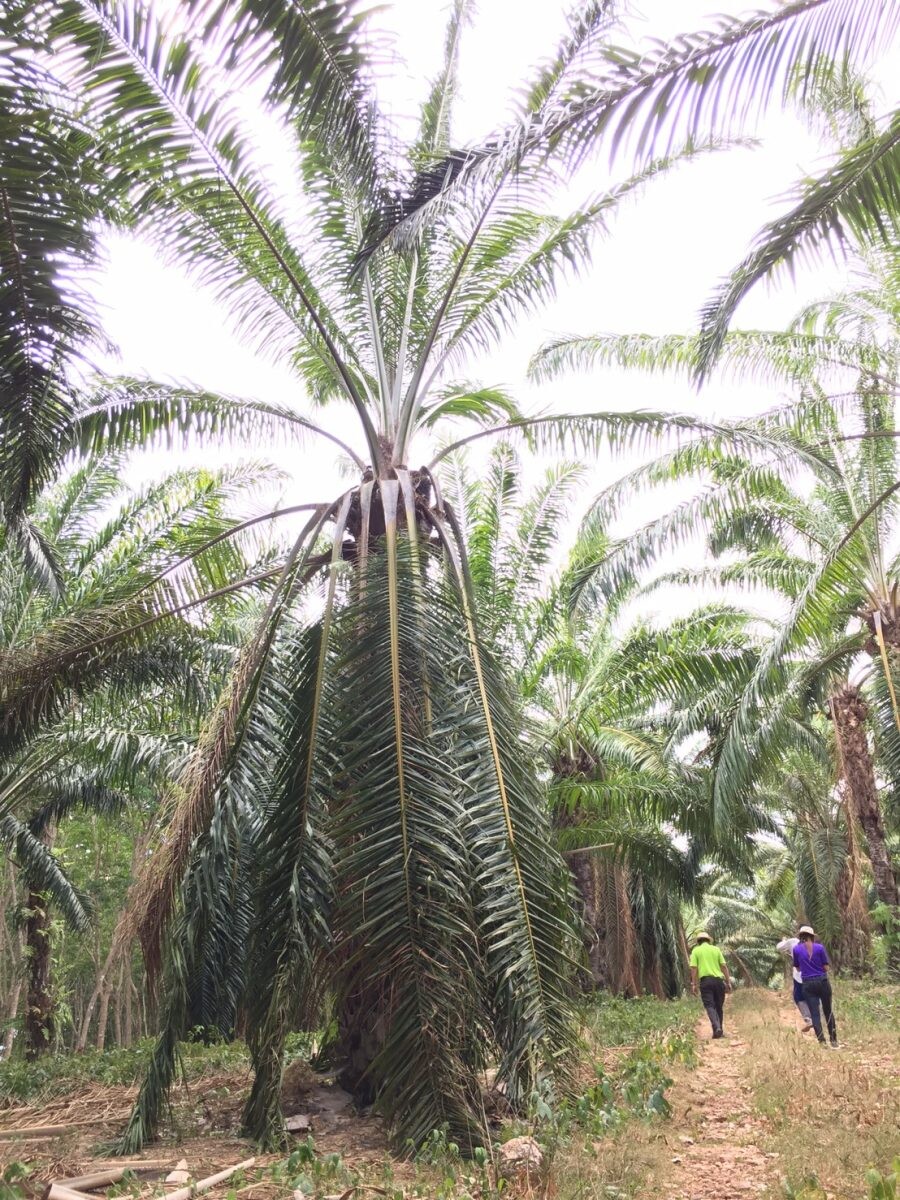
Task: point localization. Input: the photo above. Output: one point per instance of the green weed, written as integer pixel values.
(884, 1187)
(613, 1021)
(57, 1074)
(11, 1179)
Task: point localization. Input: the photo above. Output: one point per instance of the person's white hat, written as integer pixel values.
(703, 935)
(807, 929)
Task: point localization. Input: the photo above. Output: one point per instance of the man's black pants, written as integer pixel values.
(818, 991)
(712, 993)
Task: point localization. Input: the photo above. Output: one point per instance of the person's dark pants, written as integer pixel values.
(818, 992)
(800, 1001)
(712, 993)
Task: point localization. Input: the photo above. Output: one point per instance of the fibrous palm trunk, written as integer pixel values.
(852, 948)
(39, 999)
(850, 711)
(586, 875)
(611, 941)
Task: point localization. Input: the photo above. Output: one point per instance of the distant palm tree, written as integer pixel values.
(806, 872)
(818, 872)
(825, 540)
(612, 706)
(66, 740)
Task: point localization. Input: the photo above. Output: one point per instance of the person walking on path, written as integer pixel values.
(786, 947)
(709, 972)
(811, 960)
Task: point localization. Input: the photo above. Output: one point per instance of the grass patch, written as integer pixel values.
(55, 1075)
(833, 1117)
(610, 1021)
(606, 1141)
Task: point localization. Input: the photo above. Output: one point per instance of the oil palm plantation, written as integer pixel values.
(815, 522)
(403, 841)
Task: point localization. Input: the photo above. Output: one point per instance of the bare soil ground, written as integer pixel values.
(716, 1134)
(769, 1113)
(203, 1130)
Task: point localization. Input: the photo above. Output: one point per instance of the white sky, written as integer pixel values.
(667, 251)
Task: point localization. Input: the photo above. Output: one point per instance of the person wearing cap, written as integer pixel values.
(811, 960)
(786, 947)
(709, 972)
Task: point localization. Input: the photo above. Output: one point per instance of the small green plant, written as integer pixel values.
(312, 1174)
(644, 1082)
(808, 1188)
(60, 1073)
(11, 1178)
(128, 1185)
(884, 1187)
(443, 1173)
(615, 1021)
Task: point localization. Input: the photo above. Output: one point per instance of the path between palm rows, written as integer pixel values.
(715, 1135)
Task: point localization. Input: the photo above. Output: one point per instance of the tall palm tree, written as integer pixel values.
(829, 549)
(456, 946)
(74, 754)
(612, 705)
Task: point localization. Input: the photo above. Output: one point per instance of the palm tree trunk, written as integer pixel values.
(128, 1031)
(39, 999)
(103, 1014)
(852, 948)
(850, 711)
(586, 875)
(621, 937)
(584, 867)
(9, 1030)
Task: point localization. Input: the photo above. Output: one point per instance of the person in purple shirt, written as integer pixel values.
(811, 960)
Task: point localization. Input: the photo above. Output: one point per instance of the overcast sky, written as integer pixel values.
(666, 253)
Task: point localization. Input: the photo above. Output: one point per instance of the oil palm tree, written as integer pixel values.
(79, 748)
(456, 946)
(612, 704)
(829, 548)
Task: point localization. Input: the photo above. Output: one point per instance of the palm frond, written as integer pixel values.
(855, 204)
(706, 82)
(51, 193)
(42, 872)
(770, 357)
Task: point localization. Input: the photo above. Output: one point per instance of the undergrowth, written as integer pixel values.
(611, 1021)
(57, 1074)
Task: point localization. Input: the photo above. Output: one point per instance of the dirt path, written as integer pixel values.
(715, 1135)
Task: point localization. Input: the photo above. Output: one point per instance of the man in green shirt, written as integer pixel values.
(709, 971)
